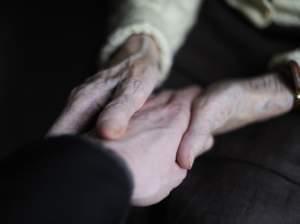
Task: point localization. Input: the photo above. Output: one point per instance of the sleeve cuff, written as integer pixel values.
(286, 57)
(118, 38)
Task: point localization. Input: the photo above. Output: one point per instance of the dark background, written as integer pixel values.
(43, 54)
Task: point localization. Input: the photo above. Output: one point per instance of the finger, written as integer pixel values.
(169, 108)
(153, 109)
(129, 98)
(197, 139)
(192, 146)
(187, 95)
(183, 99)
(83, 104)
(113, 72)
(158, 100)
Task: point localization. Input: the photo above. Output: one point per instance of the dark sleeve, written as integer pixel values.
(64, 180)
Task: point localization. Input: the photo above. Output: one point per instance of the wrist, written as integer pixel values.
(268, 97)
(137, 42)
(141, 45)
(118, 160)
(289, 73)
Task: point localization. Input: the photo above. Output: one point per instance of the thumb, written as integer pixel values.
(129, 98)
(197, 139)
(83, 104)
(191, 147)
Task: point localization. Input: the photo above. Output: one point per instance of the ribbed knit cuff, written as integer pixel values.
(285, 58)
(119, 37)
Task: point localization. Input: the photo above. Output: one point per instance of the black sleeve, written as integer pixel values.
(64, 180)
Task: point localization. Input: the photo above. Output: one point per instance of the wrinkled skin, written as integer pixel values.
(117, 92)
(230, 105)
(120, 92)
(150, 145)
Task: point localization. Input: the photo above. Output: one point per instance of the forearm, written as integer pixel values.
(138, 46)
(270, 95)
(258, 99)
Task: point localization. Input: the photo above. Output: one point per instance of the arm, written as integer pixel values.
(226, 106)
(167, 21)
(163, 118)
(71, 180)
(267, 97)
(64, 180)
(140, 63)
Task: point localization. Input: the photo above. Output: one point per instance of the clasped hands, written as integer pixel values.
(159, 136)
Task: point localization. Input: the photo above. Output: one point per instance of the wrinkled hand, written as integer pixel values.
(118, 91)
(150, 145)
(226, 106)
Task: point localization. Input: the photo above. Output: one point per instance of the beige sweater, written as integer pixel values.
(169, 22)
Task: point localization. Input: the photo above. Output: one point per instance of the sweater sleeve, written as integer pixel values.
(65, 179)
(168, 21)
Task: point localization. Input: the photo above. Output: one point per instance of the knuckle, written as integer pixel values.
(200, 132)
(138, 68)
(120, 101)
(136, 84)
(133, 90)
(175, 113)
(200, 103)
(104, 78)
(133, 85)
(83, 93)
(76, 93)
(95, 77)
(113, 116)
(104, 81)
(137, 64)
(175, 108)
(123, 99)
(139, 98)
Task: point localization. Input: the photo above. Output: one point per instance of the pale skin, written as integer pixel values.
(229, 105)
(118, 93)
(150, 145)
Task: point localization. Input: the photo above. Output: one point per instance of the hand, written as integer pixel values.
(119, 91)
(150, 145)
(226, 106)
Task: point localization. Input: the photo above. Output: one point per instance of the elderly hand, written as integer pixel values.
(118, 91)
(150, 145)
(229, 105)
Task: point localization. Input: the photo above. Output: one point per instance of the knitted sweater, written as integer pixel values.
(169, 21)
